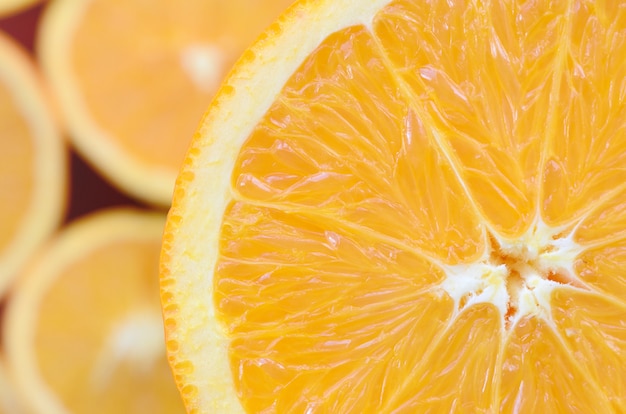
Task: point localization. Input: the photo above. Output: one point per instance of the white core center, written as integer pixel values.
(517, 276)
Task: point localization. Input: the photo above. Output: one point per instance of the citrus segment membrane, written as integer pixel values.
(605, 220)
(540, 372)
(603, 269)
(586, 157)
(394, 237)
(592, 328)
(343, 143)
(458, 372)
(294, 337)
(416, 148)
(476, 70)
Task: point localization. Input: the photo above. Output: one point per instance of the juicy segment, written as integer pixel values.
(331, 147)
(585, 158)
(539, 372)
(383, 163)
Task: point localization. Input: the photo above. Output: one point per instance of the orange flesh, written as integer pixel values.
(134, 82)
(385, 159)
(105, 285)
(16, 167)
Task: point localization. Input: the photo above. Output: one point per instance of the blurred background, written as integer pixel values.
(88, 190)
(124, 139)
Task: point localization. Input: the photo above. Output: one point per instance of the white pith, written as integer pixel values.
(517, 276)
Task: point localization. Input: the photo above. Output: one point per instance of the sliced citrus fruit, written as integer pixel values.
(32, 161)
(408, 206)
(10, 7)
(83, 329)
(133, 77)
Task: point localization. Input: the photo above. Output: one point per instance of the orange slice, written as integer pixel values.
(32, 162)
(408, 207)
(10, 7)
(134, 77)
(83, 330)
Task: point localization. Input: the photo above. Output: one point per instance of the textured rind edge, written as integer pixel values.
(48, 203)
(141, 180)
(197, 344)
(75, 241)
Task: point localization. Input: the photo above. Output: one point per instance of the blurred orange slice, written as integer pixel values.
(32, 161)
(83, 329)
(133, 77)
(408, 207)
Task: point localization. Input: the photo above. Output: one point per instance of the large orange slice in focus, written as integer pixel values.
(133, 77)
(32, 162)
(407, 207)
(83, 329)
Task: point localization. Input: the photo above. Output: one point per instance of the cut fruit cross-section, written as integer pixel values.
(408, 206)
(83, 329)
